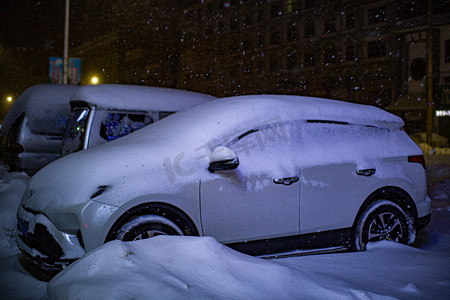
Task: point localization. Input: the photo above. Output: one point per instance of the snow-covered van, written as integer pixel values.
(261, 174)
(34, 126)
(105, 112)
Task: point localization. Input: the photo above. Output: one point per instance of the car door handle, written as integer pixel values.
(366, 172)
(286, 181)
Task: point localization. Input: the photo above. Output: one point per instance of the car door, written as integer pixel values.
(260, 198)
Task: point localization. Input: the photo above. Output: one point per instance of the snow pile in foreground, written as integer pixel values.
(188, 267)
(200, 267)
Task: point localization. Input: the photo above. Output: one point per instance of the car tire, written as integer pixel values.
(147, 226)
(383, 220)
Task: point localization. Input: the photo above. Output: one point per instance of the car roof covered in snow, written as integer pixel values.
(225, 117)
(134, 97)
(37, 98)
(286, 107)
(321, 109)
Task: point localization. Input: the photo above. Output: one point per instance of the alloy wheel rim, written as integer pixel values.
(385, 226)
(149, 234)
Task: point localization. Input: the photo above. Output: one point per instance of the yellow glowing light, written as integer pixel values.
(94, 80)
(9, 99)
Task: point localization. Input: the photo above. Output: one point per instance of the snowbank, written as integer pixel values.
(198, 268)
(187, 267)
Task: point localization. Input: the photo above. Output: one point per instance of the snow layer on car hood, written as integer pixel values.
(113, 96)
(37, 99)
(166, 155)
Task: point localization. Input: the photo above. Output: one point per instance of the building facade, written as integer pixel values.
(371, 52)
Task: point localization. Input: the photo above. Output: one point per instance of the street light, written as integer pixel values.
(9, 98)
(94, 80)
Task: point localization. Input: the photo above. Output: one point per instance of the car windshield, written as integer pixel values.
(73, 135)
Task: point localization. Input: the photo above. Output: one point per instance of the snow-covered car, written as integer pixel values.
(261, 174)
(34, 126)
(105, 112)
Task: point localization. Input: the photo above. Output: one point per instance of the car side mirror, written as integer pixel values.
(222, 159)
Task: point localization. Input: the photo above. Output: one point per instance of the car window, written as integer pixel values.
(264, 148)
(259, 139)
(73, 135)
(48, 122)
(120, 124)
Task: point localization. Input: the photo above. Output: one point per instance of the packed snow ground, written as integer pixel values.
(193, 267)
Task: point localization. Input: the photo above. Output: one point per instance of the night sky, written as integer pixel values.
(32, 31)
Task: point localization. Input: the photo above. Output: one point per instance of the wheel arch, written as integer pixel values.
(165, 210)
(396, 195)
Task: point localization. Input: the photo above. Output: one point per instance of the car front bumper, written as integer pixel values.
(45, 245)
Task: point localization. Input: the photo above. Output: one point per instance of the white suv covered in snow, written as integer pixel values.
(262, 174)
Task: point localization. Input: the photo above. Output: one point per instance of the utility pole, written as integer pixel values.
(66, 45)
(430, 75)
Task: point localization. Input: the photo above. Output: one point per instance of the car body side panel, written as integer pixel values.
(95, 221)
(98, 218)
(39, 149)
(330, 196)
(417, 189)
(250, 208)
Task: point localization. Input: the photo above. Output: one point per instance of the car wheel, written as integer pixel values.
(383, 220)
(147, 226)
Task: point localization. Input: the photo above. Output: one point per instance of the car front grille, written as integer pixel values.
(40, 239)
